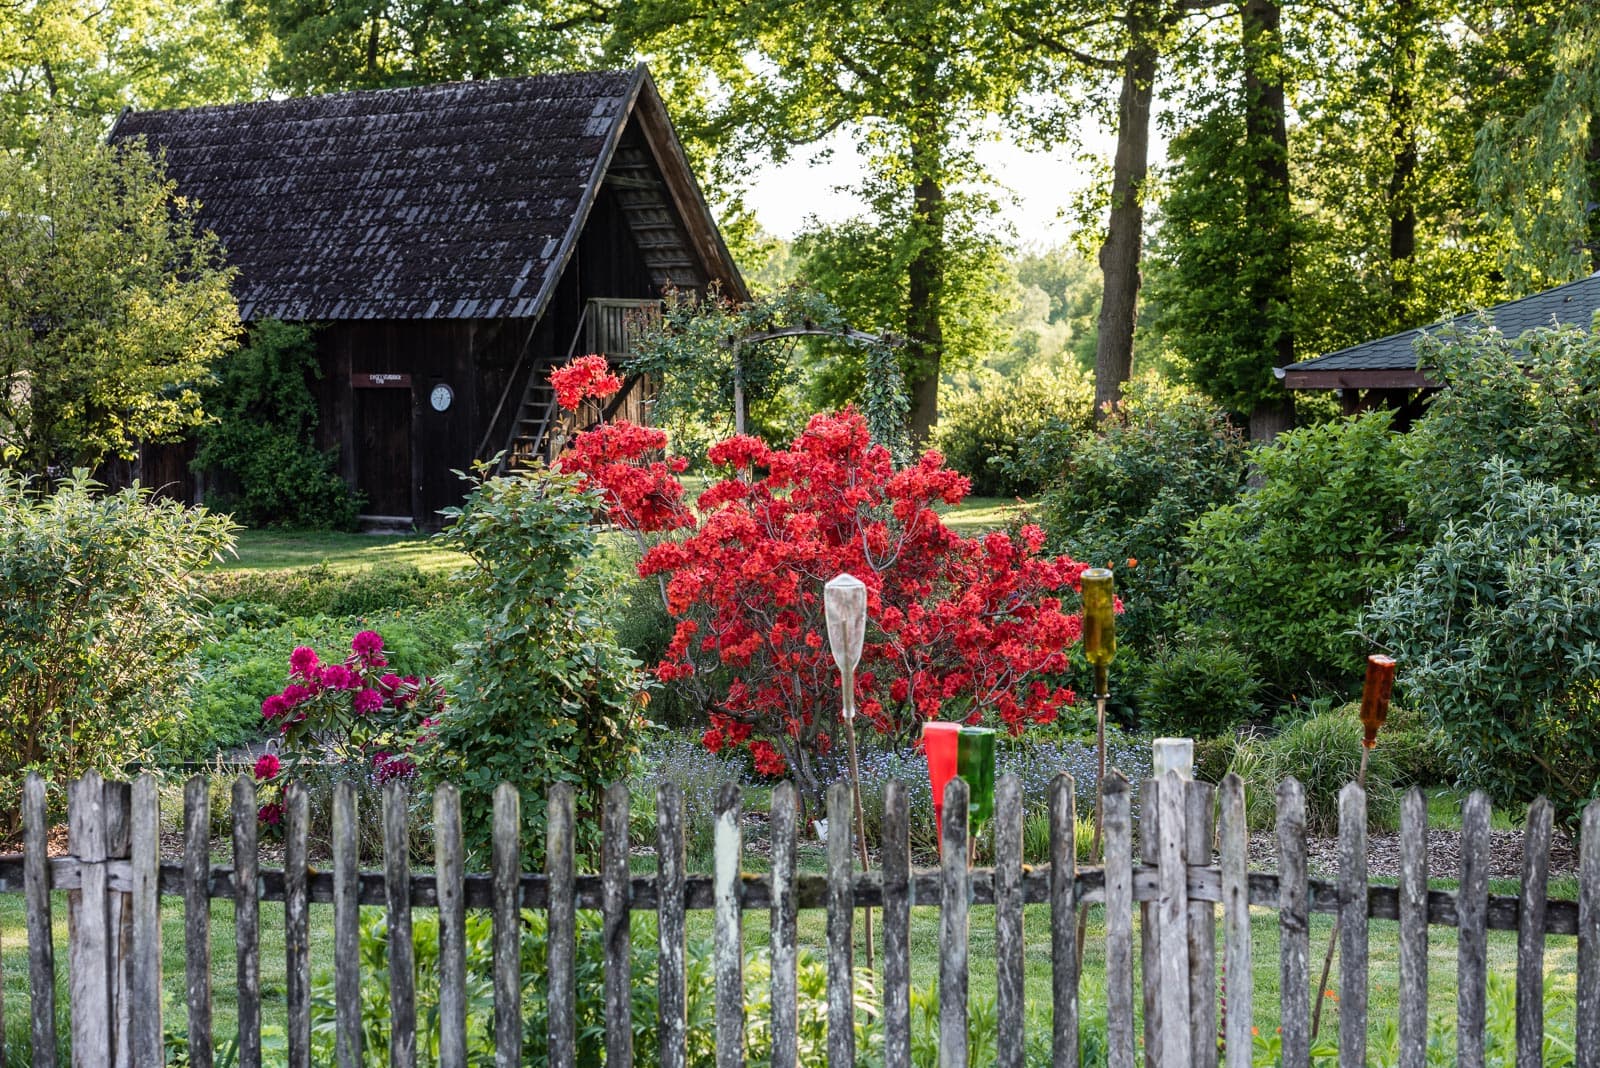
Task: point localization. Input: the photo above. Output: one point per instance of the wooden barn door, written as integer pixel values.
(383, 449)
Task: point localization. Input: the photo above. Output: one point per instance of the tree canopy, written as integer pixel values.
(114, 309)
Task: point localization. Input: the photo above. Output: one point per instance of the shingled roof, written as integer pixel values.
(1391, 362)
(456, 201)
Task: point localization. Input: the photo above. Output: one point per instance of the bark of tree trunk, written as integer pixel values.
(1403, 134)
(925, 293)
(1124, 244)
(1267, 199)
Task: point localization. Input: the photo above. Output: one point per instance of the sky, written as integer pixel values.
(1041, 186)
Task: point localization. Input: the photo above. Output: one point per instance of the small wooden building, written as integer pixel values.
(1384, 373)
(455, 242)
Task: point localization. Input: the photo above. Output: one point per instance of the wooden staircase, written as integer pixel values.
(537, 416)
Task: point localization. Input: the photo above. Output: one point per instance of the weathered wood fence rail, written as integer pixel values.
(1192, 868)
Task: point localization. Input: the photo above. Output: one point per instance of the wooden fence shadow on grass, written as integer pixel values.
(114, 879)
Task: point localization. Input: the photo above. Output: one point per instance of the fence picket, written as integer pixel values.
(1009, 994)
(1352, 927)
(618, 938)
(1173, 931)
(728, 942)
(1119, 921)
(402, 951)
(144, 993)
(1587, 1051)
(347, 1038)
(89, 950)
(1237, 971)
(246, 921)
(841, 937)
(1530, 934)
(672, 992)
(1472, 938)
(1200, 821)
(297, 924)
(41, 928)
(449, 869)
(1414, 929)
(783, 830)
(896, 864)
(955, 884)
(197, 916)
(1149, 829)
(1294, 926)
(1063, 928)
(561, 937)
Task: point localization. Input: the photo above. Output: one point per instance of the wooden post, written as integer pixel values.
(841, 934)
(1587, 1053)
(616, 932)
(1063, 930)
(247, 921)
(145, 974)
(402, 949)
(784, 830)
(955, 881)
(1414, 930)
(1352, 927)
(1172, 915)
(100, 923)
(728, 940)
(561, 941)
(1010, 1010)
(1472, 939)
(1530, 934)
(41, 937)
(1201, 830)
(1294, 926)
(197, 917)
(1119, 921)
(347, 1038)
(1238, 976)
(672, 991)
(896, 865)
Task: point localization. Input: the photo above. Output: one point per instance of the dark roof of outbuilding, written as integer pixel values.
(1571, 304)
(456, 201)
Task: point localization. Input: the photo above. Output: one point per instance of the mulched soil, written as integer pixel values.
(1444, 855)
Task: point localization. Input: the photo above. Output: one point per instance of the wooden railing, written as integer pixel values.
(114, 877)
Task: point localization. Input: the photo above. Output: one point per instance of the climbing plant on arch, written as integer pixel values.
(723, 365)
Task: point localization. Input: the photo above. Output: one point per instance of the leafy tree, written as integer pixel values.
(82, 60)
(114, 309)
(260, 437)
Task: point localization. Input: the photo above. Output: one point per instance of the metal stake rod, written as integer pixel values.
(844, 601)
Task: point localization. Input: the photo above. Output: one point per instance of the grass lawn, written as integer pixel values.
(1560, 961)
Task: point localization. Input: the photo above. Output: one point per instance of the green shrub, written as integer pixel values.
(1497, 631)
(241, 666)
(99, 618)
(542, 693)
(1421, 755)
(985, 431)
(1323, 751)
(1126, 497)
(261, 438)
(269, 596)
(1289, 567)
(1533, 400)
(644, 628)
(1198, 686)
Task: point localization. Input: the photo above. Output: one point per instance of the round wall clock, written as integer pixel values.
(441, 397)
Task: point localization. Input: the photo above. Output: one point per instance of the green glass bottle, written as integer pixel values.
(975, 764)
(1099, 624)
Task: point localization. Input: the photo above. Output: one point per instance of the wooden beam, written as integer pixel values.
(1357, 379)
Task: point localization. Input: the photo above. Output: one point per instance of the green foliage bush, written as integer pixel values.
(1323, 751)
(267, 596)
(542, 692)
(1497, 631)
(1533, 401)
(1198, 685)
(1290, 565)
(241, 665)
(984, 430)
(1127, 496)
(261, 437)
(99, 617)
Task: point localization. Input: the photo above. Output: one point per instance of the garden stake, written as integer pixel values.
(1099, 647)
(844, 600)
(1374, 714)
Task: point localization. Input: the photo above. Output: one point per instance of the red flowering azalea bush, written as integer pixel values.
(971, 629)
(354, 715)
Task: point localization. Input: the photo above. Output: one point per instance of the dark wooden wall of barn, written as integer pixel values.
(476, 359)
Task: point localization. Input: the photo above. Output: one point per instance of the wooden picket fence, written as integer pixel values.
(114, 878)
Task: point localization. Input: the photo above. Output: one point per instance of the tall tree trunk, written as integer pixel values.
(1267, 203)
(1124, 244)
(1403, 167)
(925, 291)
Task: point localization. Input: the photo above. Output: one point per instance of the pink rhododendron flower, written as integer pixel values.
(368, 701)
(270, 814)
(368, 645)
(266, 767)
(338, 677)
(303, 662)
(274, 706)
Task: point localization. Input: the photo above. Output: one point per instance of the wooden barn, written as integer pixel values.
(455, 242)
